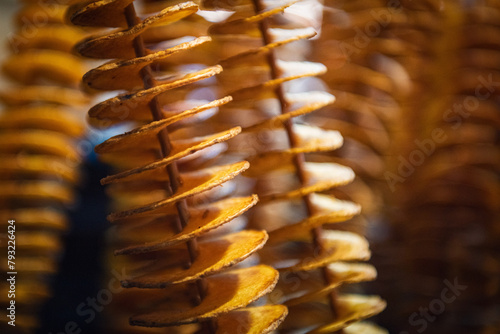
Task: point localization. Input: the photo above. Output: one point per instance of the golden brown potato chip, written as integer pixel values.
(246, 26)
(33, 265)
(148, 132)
(277, 121)
(251, 320)
(36, 65)
(54, 37)
(42, 217)
(25, 165)
(352, 308)
(378, 138)
(362, 327)
(125, 74)
(135, 105)
(101, 13)
(34, 242)
(199, 144)
(306, 316)
(351, 272)
(267, 89)
(41, 141)
(51, 94)
(53, 118)
(339, 211)
(313, 296)
(225, 292)
(213, 256)
(340, 273)
(363, 75)
(201, 220)
(36, 191)
(201, 181)
(30, 13)
(337, 245)
(320, 177)
(120, 44)
(308, 136)
(241, 58)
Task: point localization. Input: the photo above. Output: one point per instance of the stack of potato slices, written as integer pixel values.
(40, 125)
(265, 73)
(171, 199)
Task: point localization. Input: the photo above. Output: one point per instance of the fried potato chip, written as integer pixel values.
(53, 118)
(252, 320)
(30, 13)
(242, 58)
(33, 265)
(25, 165)
(42, 217)
(363, 75)
(306, 316)
(38, 191)
(267, 89)
(202, 181)
(34, 242)
(36, 65)
(362, 327)
(120, 44)
(310, 136)
(150, 131)
(247, 26)
(277, 121)
(342, 273)
(101, 13)
(351, 272)
(312, 296)
(225, 292)
(320, 177)
(377, 138)
(337, 245)
(40, 141)
(199, 144)
(125, 74)
(52, 36)
(134, 105)
(339, 211)
(213, 256)
(202, 219)
(352, 308)
(51, 94)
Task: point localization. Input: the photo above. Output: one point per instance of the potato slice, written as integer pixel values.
(225, 292)
(120, 44)
(33, 66)
(49, 117)
(125, 74)
(213, 256)
(51, 94)
(104, 13)
(200, 181)
(251, 320)
(158, 166)
(352, 308)
(202, 220)
(134, 106)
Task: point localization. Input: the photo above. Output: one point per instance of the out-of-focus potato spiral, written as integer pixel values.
(40, 125)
